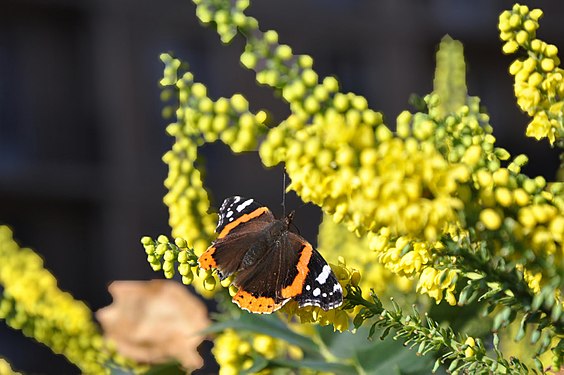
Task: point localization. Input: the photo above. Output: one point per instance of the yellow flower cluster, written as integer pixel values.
(539, 81)
(335, 241)
(532, 280)
(234, 351)
(6, 369)
(361, 175)
(32, 303)
(199, 120)
(526, 207)
(226, 14)
(409, 258)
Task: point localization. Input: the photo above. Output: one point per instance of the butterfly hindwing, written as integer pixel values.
(321, 287)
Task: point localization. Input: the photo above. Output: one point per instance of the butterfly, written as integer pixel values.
(269, 263)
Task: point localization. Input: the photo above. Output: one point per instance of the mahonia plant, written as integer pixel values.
(31, 301)
(437, 207)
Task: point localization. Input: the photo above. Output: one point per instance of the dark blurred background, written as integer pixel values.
(81, 135)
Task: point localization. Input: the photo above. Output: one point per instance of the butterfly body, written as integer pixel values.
(270, 264)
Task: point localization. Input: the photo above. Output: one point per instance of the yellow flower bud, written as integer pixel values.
(510, 47)
(341, 102)
(309, 77)
(472, 155)
(188, 278)
(209, 283)
(345, 156)
(491, 219)
(530, 26)
(536, 45)
(503, 196)
(484, 178)
(522, 37)
(514, 20)
(284, 52)
(535, 14)
(526, 217)
(515, 67)
(551, 50)
(305, 61)
(331, 84)
(521, 197)
(501, 177)
(547, 64)
(535, 79)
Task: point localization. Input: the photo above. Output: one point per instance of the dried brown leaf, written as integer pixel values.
(155, 321)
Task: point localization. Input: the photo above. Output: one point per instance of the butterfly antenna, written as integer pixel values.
(284, 193)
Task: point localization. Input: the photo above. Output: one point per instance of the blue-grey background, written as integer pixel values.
(81, 136)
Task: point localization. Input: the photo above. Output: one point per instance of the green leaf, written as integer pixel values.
(170, 368)
(378, 356)
(259, 363)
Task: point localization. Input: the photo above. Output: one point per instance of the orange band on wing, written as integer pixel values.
(206, 260)
(242, 219)
(297, 285)
(260, 305)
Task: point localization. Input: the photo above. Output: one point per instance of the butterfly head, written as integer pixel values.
(289, 218)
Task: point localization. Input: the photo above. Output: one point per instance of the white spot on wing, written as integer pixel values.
(322, 278)
(244, 205)
(308, 287)
(337, 288)
(229, 213)
(324, 294)
(316, 292)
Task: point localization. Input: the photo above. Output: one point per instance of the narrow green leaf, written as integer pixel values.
(474, 275)
(259, 364)
(535, 336)
(372, 330)
(556, 312)
(436, 365)
(537, 301)
(522, 328)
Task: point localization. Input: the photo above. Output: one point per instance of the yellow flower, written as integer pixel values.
(438, 284)
(541, 127)
(491, 219)
(470, 352)
(31, 301)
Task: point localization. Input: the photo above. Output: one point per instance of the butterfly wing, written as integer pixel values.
(241, 220)
(236, 212)
(320, 287)
(274, 277)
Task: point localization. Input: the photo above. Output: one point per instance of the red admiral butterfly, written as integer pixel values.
(270, 263)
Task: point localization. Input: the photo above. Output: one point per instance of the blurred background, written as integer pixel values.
(81, 133)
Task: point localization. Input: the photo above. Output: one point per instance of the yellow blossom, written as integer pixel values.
(31, 301)
(469, 352)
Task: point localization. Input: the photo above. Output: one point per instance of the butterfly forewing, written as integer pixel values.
(240, 221)
(236, 212)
